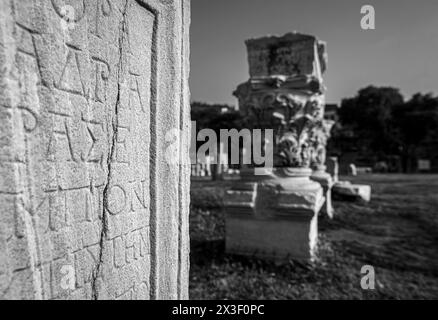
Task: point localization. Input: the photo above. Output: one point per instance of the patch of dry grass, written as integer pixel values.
(397, 233)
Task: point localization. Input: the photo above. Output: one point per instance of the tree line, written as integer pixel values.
(377, 125)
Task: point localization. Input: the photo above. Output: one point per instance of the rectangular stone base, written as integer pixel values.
(276, 218)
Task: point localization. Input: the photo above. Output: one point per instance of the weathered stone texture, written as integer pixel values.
(273, 217)
(89, 90)
(292, 55)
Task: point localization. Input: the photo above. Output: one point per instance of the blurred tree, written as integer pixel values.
(368, 117)
(416, 122)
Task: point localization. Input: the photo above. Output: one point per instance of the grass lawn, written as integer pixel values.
(397, 233)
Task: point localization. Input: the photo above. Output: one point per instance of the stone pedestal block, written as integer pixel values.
(345, 190)
(91, 206)
(274, 217)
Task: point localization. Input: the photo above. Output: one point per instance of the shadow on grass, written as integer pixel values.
(205, 252)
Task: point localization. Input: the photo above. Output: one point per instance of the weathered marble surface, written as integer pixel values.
(89, 90)
(274, 217)
(291, 55)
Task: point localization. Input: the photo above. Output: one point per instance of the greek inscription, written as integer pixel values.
(30, 119)
(134, 87)
(80, 81)
(131, 197)
(70, 79)
(117, 200)
(103, 8)
(93, 154)
(121, 154)
(102, 73)
(61, 144)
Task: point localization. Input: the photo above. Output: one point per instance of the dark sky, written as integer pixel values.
(402, 51)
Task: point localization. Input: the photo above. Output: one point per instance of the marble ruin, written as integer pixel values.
(276, 215)
(90, 208)
(318, 164)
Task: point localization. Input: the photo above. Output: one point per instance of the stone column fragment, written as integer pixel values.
(90, 208)
(276, 215)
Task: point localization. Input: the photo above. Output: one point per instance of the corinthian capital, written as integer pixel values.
(285, 92)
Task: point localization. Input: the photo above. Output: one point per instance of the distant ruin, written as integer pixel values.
(276, 215)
